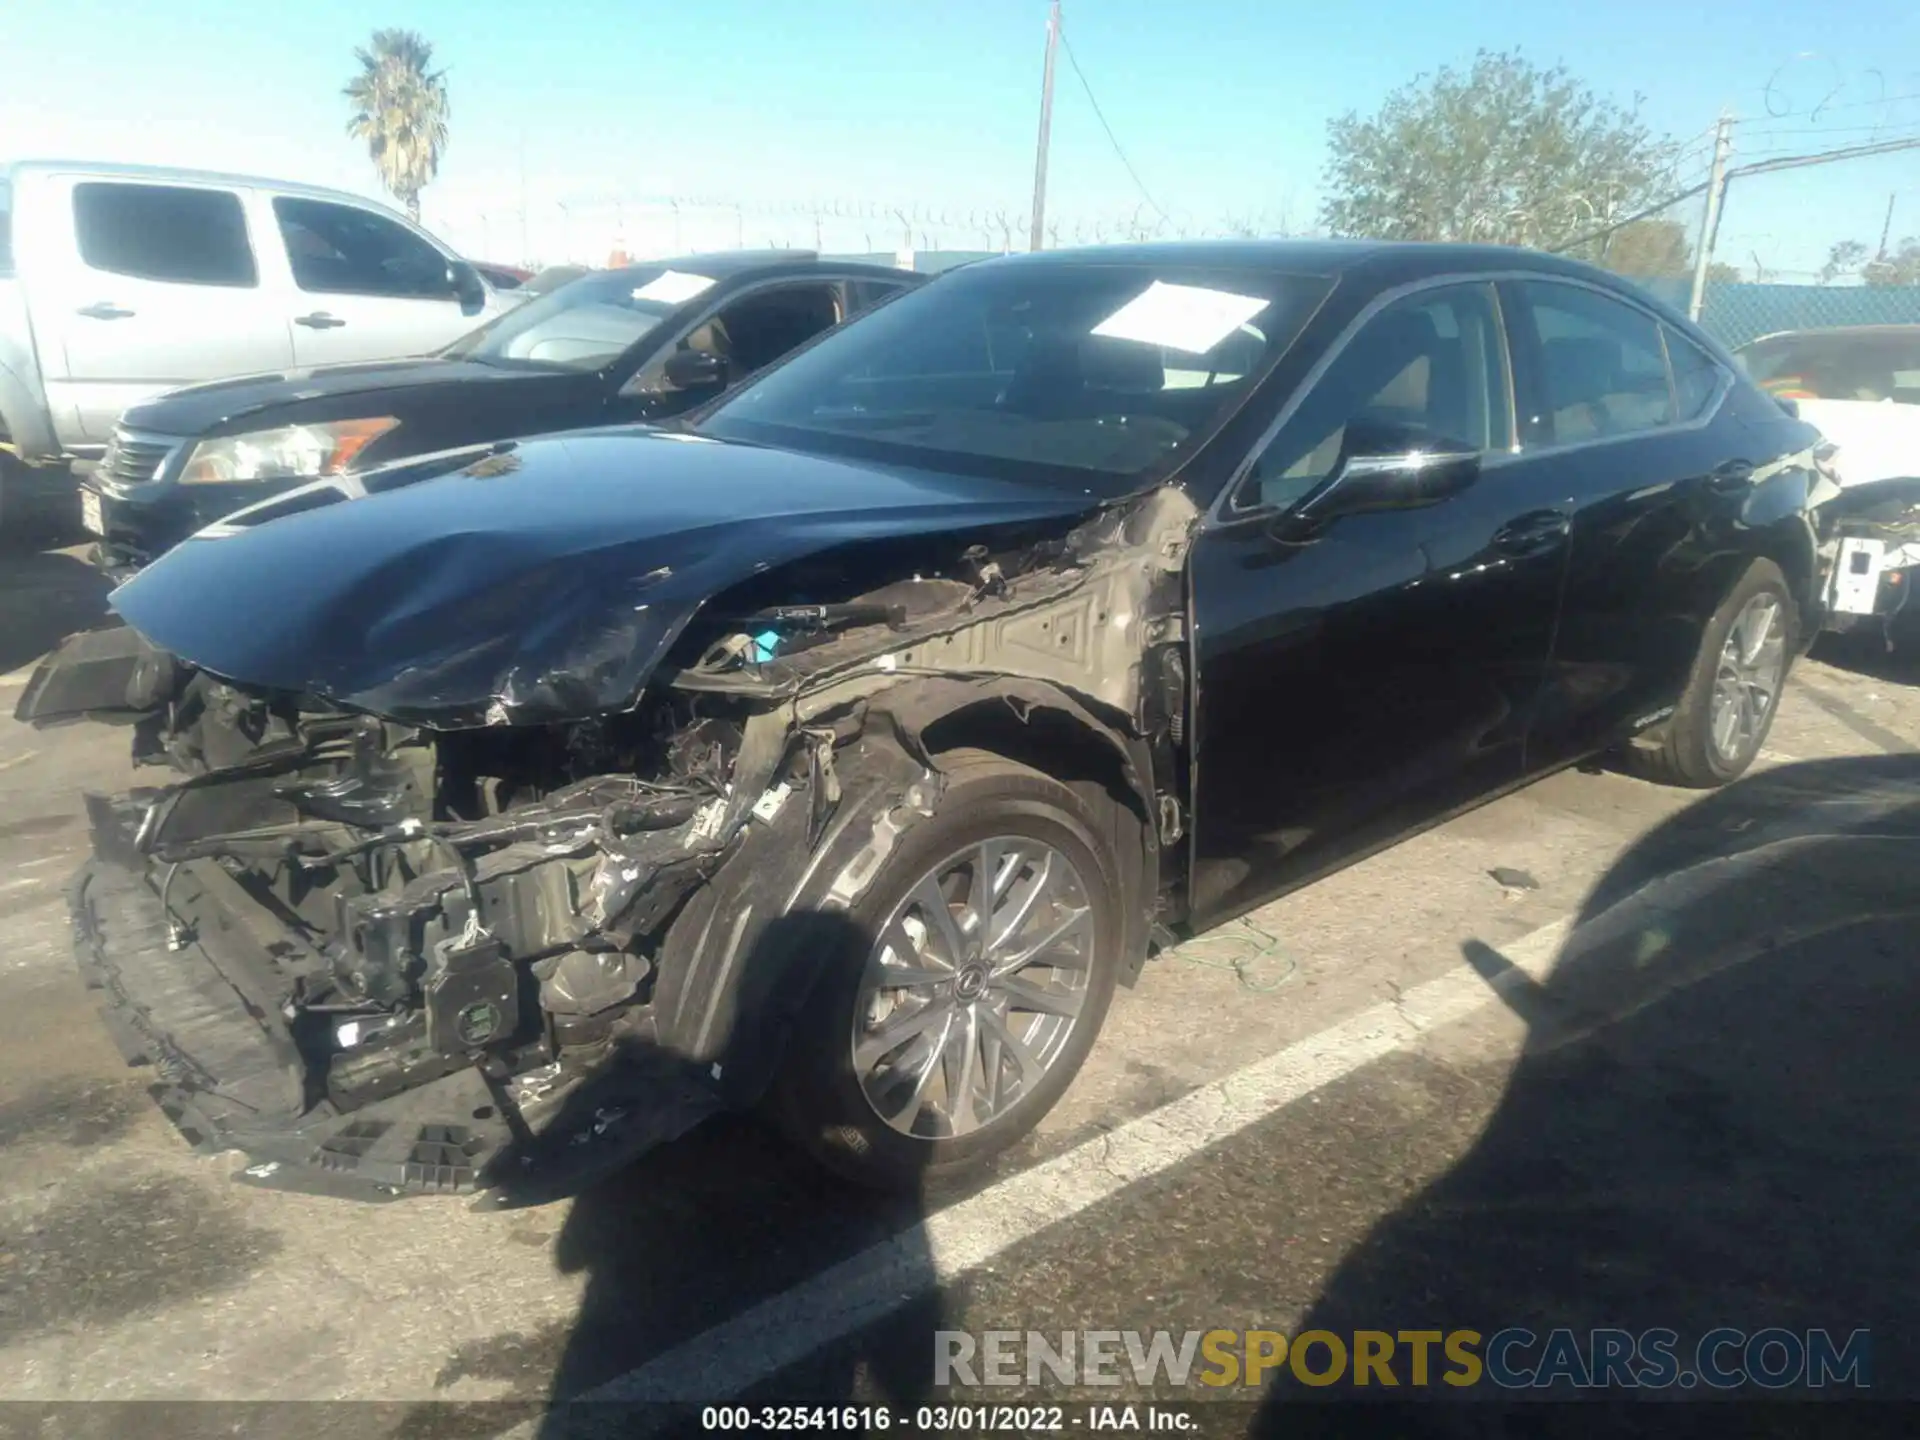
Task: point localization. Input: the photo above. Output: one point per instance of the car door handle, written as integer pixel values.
(319, 320)
(1732, 476)
(103, 310)
(1532, 533)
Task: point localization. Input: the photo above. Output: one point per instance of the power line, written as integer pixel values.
(1100, 115)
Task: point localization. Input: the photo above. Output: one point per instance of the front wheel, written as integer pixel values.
(991, 943)
(1734, 689)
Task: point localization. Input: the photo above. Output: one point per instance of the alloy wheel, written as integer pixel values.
(973, 988)
(1746, 683)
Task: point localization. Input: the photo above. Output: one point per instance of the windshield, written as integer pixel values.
(1838, 365)
(1089, 374)
(584, 324)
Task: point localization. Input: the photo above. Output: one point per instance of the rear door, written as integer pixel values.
(155, 286)
(1655, 477)
(365, 287)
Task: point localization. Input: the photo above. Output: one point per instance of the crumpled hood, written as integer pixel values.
(535, 582)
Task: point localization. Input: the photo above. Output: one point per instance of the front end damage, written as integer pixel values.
(383, 957)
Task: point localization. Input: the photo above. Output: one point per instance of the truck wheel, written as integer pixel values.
(1731, 696)
(992, 940)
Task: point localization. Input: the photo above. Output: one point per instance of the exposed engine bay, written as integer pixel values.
(467, 954)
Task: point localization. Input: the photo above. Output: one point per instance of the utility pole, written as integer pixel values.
(1046, 127)
(1710, 222)
(526, 250)
(1886, 229)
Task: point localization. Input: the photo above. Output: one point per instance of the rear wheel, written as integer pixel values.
(1731, 696)
(991, 949)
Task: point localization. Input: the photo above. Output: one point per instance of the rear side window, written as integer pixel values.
(6, 227)
(343, 250)
(1601, 369)
(1696, 377)
(164, 232)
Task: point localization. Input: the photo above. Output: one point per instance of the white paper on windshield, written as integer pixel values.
(673, 287)
(1181, 317)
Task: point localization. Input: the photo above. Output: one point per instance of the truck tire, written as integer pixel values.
(949, 1039)
(1734, 688)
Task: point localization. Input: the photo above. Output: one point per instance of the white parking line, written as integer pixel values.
(741, 1352)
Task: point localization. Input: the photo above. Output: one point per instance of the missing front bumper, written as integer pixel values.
(182, 989)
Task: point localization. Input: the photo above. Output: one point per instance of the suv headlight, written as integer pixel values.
(290, 452)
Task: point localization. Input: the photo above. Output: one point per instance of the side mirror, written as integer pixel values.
(1390, 468)
(468, 288)
(691, 369)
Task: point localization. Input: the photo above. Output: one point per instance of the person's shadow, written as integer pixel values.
(1715, 1122)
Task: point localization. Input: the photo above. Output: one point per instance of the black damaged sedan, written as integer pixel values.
(841, 750)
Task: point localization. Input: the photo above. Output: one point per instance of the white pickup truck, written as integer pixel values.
(1860, 387)
(119, 282)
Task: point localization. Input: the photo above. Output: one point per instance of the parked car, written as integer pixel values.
(1860, 386)
(643, 343)
(843, 746)
(120, 281)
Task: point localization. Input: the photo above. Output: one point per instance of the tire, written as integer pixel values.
(1689, 754)
(819, 1102)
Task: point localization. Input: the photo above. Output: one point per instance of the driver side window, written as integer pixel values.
(1433, 363)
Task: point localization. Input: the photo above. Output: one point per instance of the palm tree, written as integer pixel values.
(400, 110)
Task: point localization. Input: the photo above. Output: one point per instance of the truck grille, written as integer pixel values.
(134, 455)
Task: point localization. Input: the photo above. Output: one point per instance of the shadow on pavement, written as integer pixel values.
(44, 598)
(1714, 1121)
(1865, 652)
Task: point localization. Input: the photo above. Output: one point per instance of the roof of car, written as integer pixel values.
(731, 264)
(175, 174)
(1839, 332)
(1405, 259)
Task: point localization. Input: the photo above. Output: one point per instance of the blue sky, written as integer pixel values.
(929, 106)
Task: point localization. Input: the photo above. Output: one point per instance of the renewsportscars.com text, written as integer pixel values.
(1513, 1358)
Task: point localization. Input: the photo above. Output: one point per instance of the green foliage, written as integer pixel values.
(1882, 271)
(400, 110)
(1506, 152)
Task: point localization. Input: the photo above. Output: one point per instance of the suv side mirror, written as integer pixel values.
(1391, 467)
(468, 288)
(691, 369)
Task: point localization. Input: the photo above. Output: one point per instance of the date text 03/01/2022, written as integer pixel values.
(937, 1419)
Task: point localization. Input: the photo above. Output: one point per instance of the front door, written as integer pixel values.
(365, 286)
(1362, 680)
(742, 336)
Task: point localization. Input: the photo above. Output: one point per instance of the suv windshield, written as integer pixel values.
(1091, 374)
(1838, 365)
(585, 323)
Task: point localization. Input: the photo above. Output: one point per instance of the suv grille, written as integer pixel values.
(133, 456)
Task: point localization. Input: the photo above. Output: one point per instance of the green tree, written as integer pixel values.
(1655, 249)
(1886, 269)
(400, 110)
(1505, 152)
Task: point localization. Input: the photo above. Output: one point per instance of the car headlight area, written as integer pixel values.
(288, 452)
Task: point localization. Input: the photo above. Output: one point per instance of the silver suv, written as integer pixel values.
(119, 282)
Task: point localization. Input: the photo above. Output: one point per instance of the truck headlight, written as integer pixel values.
(289, 452)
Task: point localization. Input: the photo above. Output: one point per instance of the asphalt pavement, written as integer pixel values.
(1658, 1080)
